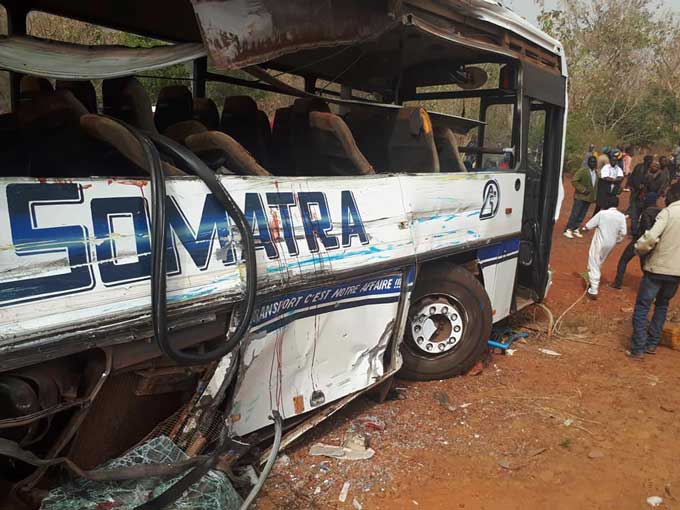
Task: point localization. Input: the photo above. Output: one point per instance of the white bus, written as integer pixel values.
(398, 202)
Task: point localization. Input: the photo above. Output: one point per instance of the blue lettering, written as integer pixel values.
(199, 244)
(351, 220)
(284, 201)
(116, 268)
(73, 274)
(257, 217)
(317, 227)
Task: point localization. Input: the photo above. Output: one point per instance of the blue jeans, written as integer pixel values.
(578, 213)
(657, 291)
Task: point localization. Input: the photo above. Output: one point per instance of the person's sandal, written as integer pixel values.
(636, 356)
(650, 350)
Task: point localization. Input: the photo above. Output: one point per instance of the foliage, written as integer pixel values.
(623, 61)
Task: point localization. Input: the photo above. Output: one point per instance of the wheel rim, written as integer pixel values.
(437, 324)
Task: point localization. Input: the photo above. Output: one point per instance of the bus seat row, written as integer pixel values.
(306, 138)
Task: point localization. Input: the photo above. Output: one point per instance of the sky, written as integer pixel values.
(528, 9)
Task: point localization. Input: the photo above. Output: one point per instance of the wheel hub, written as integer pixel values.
(437, 327)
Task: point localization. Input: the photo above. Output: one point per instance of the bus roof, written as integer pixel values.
(238, 33)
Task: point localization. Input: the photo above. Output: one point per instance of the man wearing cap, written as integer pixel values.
(609, 184)
(661, 245)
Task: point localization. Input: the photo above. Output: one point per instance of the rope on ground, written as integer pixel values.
(551, 319)
(556, 327)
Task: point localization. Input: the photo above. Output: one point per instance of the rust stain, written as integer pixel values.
(299, 404)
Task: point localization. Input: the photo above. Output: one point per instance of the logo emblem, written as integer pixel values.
(491, 200)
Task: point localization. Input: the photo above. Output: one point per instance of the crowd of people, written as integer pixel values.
(654, 231)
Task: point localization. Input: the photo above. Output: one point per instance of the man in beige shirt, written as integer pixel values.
(660, 246)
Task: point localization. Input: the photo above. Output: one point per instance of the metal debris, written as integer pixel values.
(343, 492)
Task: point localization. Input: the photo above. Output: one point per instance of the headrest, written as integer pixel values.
(109, 131)
(175, 104)
(310, 104)
(239, 105)
(83, 91)
(50, 111)
(179, 132)
(205, 111)
(126, 99)
(242, 161)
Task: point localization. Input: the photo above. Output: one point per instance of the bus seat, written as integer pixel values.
(371, 129)
(241, 120)
(282, 161)
(126, 99)
(411, 147)
(302, 160)
(239, 160)
(335, 146)
(181, 130)
(205, 112)
(108, 131)
(51, 142)
(447, 150)
(175, 104)
(83, 91)
(50, 111)
(32, 86)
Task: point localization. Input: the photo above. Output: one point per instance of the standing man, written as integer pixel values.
(584, 182)
(647, 218)
(635, 182)
(609, 183)
(661, 277)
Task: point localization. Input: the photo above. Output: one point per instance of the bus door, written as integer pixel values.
(542, 110)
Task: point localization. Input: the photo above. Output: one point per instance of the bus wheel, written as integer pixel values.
(449, 323)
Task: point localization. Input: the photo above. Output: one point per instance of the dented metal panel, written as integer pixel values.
(75, 254)
(66, 61)
(245, 32)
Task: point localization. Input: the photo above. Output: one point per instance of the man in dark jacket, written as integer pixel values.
(647, 218)
(585, 184)
(635, 180)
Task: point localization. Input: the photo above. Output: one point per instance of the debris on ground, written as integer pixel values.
(212, 492)
(356, 504)
(477, 369)
(343, 492)
(367, 424)
(596, 454)
(654, 501)
(354, 447)
(549, 352)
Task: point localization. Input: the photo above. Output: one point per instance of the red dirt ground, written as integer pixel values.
(588, 429)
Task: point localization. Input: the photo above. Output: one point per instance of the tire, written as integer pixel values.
(451, 290)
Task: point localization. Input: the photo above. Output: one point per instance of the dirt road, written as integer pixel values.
(587, 429)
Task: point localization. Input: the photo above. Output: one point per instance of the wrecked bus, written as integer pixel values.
(182, 271)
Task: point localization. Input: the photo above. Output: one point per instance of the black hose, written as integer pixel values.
(190, 163)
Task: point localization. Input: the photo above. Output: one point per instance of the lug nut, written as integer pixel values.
(456, 329)
(420, 340)
(429, 347)
(445, 309)
(417, 329)
(433, 310)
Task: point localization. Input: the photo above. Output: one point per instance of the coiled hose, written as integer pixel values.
(190, 163)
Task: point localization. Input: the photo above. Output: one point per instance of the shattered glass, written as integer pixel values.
(212, 492)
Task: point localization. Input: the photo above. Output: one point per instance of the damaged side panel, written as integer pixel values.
(313, 347)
